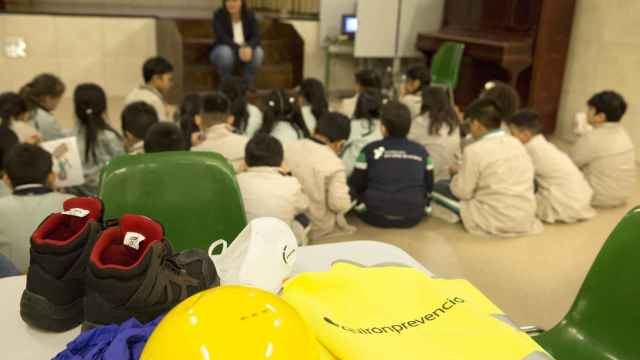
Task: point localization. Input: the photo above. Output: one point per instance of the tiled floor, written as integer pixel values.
(533, 279)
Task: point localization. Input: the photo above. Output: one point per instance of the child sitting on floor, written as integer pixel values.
(365, 127)
(438, 130)
(137, 118)
(562, 194)
(493, 191)
(43, 95)
(313, 103)
(268, 191)
(282, 118)
(315, 163)
(365, 79)
(216, 124)
(28, 173)
(393, 177)
(416, 78)
(158, 80)
(164, 136)
(606, 155)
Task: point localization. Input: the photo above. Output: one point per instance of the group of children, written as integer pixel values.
(390, 162)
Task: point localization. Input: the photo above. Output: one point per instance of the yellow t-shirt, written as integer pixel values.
(400, 313)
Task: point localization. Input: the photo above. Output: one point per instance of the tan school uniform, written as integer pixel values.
(323, 180)
(266, 192)
(495, 187)
(150, 96)
(221, 139)
(444, 147)
(607, 158)
(563, 194)
(414, 103)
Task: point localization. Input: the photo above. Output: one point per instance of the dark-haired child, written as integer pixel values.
(191, 109)
(98, 142)
(282, 118)
(504, 95)
(164, 136)
(247, 117)
(365, 127)
(438, 130)
(8, 139)
(563, 194)
(416, 78)
(137, 119)
(43, 95)
(13, 115)
(493, 191)
(365, 79)
(158, 80)
(216, 124)
(267, 190)
(606, 155)
(315, 163)
(393, 177)
(28, 172)
(313, 103)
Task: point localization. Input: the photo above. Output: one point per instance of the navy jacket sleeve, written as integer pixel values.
(222, 28)
(252, 30)
(358, 179)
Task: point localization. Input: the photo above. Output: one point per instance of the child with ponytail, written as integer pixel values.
(415, 79)
(312, 100)
(282, 118)
(98, 142)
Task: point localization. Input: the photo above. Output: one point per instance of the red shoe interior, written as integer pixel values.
(60, 229)
(110, 250)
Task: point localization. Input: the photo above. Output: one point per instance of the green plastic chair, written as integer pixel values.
(445, 66)
(604, 320)
(194, 195)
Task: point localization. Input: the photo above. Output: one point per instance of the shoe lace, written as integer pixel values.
(172, 264)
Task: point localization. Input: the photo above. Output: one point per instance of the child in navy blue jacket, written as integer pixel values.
(393, 177)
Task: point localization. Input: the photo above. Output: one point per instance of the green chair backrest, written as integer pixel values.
(604, 320)
(194, 195)
(445, 66)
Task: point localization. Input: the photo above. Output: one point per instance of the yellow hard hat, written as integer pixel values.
(232, 323)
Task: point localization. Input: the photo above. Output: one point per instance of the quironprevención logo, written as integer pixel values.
(399, 328)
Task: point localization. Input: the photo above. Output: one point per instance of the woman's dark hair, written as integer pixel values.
(235, 89)
(313, 92)
(12, 105)
(436, 102)
(90, 103)
(264, 150)
(244, 10)
(191, 106)
(368, 106)
(504, 95)
(282, 107)
(42, 85)
(419, 73)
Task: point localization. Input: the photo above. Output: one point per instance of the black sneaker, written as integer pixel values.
(133, 273)
(60, 249)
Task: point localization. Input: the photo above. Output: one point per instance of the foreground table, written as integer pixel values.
(20, 341)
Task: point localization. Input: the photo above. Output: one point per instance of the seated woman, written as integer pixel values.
(237, 41)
